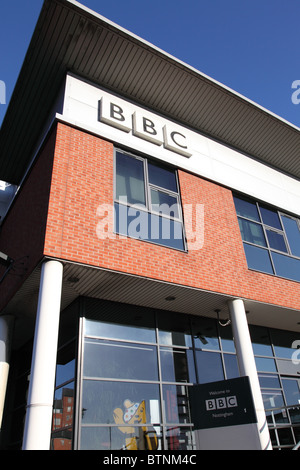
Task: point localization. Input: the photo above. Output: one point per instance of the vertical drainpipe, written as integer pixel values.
(37, 431)
(247, 366)
(6, 326)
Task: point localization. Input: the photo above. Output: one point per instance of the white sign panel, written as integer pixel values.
(143, 125)
(93, 109)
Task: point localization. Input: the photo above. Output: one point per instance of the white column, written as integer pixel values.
(247, 366)
(38, 421)
(6, 324)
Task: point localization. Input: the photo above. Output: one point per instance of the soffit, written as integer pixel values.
(80, 280)
(69, 37)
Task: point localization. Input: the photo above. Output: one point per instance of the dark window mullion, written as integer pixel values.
(266, 227)
(147, 185)
(259, 213)
(163, 190)
(150, 186)
(297, 221)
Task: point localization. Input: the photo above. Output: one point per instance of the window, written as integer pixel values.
(271, 239)
(147, 202)
(134, 385)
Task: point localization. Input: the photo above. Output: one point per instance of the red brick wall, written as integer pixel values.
(83, 180)
(23, 231)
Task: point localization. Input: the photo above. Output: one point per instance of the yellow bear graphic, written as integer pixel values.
(139, 437)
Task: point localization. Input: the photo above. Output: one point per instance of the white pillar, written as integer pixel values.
(247, 366)
(37, 432)
(6, 324)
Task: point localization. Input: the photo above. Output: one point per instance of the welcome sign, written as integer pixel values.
(224, 403)
(224, 416)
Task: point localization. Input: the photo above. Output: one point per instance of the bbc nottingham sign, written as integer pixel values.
(224, 415)
(143, 126)
(224, 403)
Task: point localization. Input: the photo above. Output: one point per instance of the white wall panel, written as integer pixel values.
(209, 158)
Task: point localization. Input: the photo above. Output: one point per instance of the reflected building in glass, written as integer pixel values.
(150, 246)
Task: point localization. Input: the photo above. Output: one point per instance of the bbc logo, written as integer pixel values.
(221, 403)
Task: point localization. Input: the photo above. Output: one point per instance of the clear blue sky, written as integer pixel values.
(251, 46)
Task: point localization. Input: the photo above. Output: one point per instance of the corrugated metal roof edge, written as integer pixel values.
(179, 62)
(82, 10)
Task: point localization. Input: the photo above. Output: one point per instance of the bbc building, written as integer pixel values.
(150, 252)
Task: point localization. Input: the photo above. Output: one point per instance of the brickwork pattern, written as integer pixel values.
(82, 181)
(22, 233)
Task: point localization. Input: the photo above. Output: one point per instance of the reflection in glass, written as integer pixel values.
(180, 438)
(62, 421)
(102, 401)
(294, 413)
(252, 232)
(209, 367)
(277, 416)
(100, 438)
(107, 404)
(273, 399)
(65, 372)
(293, 234)
(174, 330)
(118, 360)
(285, 436)
(260, 341)
(136, 438)
(246, 209)
(231, 366)
(258, 259)
(135, 223)
(291, 391)
(65, 365)
(297, 434)
(63, 407)
(130, 179)
(134, 328)
(276, 241)
(270, 217)
(177, 365)
(269, 381)
(205, 334)
(164, 203)
(287, 267)
(176, 404)
(163, 177)
(273, 437)
(115, 438)
(227, 339)
(265, 365)
(283, 342)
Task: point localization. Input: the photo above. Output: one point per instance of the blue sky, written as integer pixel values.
(251, 46)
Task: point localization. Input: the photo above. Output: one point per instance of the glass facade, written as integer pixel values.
(124, 374)
(271, 239)
(136, 366)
